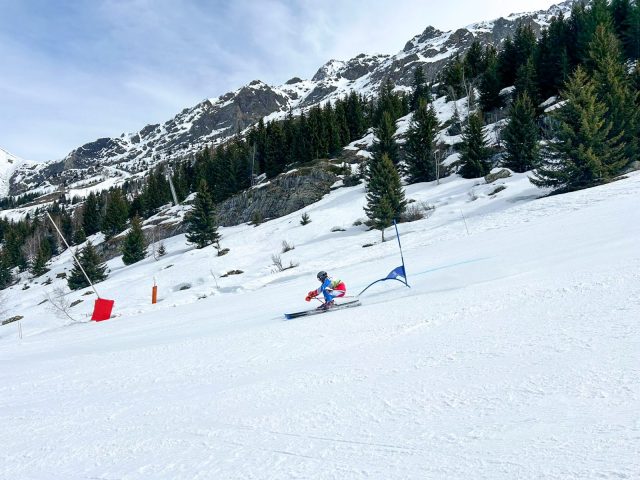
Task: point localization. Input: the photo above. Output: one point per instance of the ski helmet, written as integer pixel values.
(322, 275)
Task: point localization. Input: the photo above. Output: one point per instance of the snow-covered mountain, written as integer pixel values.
(216, 119)
(9, 163)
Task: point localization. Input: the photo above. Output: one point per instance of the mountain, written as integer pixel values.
(11, 169)
(215, 120)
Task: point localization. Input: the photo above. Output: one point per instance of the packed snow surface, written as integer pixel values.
(514, 354)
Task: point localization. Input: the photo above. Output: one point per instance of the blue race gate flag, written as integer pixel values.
(397, 273)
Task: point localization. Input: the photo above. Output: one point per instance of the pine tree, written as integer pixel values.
(385, 143)
(507, 63)
(474, 60)
(581, 155)
(162, 250)
(614, 89)
(274, 148)
(334, 140)
(521, 136)
(524, 44)
(13, 249)
(39, 265)
(385, 196)
(635, 81)
(420, 147)
(490, 86)
(621, 11)
(115, 218)
(134, 248)
(157, 191)
(631, 36)
(342, 123)
(388, 102)
(6, 277)
(420, 88)
(91, 217)
(456, 123)
(552, 62)
(66, 226)
(202, 229)
(305, 219)
(527, 82)
(355, 116)
(453, 77)
(475, 153)
(93, 267)
(317, 134)
(79, 236)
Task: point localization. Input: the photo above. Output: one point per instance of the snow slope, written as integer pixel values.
(514, 354)
(8, 164)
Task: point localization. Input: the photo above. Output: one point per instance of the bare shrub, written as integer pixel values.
(279, 266)
(417, 211)
(287, 247)
(59, 303)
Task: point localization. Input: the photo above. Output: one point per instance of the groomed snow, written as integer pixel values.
(514, 354)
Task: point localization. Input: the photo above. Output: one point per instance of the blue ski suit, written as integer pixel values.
(332, 289)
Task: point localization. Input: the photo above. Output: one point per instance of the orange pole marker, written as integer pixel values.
(154, 294)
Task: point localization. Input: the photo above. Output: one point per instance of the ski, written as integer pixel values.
(315, 311)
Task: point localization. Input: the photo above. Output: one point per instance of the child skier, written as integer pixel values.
(330, 289)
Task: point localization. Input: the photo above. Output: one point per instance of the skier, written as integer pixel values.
(330, 289)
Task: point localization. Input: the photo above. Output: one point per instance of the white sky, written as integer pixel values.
(75, 71)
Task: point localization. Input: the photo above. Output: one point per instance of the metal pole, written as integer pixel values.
(465, 222)
(73, 254)
(401, 256)
(173, 190)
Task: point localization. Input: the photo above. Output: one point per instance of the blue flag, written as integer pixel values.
(397, 272)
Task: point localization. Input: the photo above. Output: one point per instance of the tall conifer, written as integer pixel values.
(92, 265)
(581, 154)
(6, 277)
(490, 85)
(475, 153)
(420, 147)
(614, 89)
(420, 88)
(385, 143)
(521, 136)
(116, 215)
(385, 196)
(202, 229)
(134, 248)
(91, 215)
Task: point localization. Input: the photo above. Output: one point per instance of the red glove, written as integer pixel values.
(311, 294)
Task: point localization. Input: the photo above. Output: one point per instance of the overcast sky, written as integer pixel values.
(72, 71)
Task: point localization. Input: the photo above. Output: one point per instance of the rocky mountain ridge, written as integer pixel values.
(215, 120)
